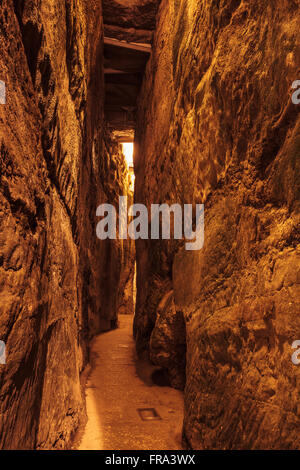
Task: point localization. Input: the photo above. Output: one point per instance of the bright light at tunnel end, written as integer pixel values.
(127, 148)
(128, 152)
(138, 228)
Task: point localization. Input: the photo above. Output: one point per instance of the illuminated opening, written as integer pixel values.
(128, 152)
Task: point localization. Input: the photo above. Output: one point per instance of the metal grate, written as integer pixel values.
(148, 414)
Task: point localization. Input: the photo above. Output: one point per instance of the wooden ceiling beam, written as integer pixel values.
(146, 48)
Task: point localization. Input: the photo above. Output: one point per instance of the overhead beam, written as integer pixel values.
(127, 45)
(119, 119)
(120, 126)
(124, 64)
(124, 136)
(112, 71)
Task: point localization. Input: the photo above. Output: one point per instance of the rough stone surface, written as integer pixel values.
(137, 14)
(168, 342)
(216, 125)
(130, 20)
(56, 165)
(128, 34)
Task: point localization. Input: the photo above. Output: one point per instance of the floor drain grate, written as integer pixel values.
(148, 414)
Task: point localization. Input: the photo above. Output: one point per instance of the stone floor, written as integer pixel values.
(117, 387)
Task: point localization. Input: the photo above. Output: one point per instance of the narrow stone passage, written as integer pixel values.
(149, 165)
(115, 392)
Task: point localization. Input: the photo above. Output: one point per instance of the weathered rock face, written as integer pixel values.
(134, 17)
(126, 298)
(168, 341)
(131, 13)
(57, 165)
(216, 125)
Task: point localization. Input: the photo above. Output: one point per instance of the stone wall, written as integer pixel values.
(56, 166)
(216, 125)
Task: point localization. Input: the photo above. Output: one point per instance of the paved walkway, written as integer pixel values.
(115, 392)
